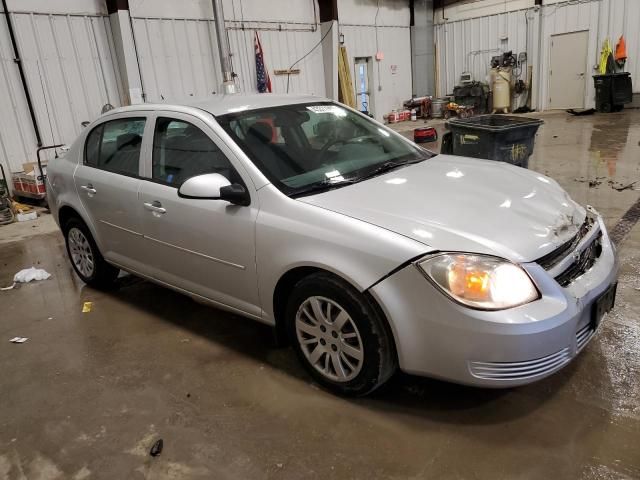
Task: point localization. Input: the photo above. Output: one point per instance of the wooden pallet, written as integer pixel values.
(346, 92)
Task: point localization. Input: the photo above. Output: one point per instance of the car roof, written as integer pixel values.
(223, 104)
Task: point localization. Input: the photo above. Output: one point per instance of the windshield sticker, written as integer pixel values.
(337, 111)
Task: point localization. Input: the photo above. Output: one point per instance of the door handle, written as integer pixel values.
(89, 189)
(155, 207)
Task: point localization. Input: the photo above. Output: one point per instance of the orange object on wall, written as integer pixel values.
(621, 50)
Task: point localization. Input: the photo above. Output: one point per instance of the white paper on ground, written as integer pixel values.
(18, 339)
(29, 274)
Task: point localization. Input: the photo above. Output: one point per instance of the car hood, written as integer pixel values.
(455, 203)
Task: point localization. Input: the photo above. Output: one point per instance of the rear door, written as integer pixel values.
(107, 182)
(203, 246)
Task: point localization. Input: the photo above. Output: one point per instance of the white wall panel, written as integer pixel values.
(602, 18)
(389, 89)
(566, 18)
(468, 45)
(71, 73)
(178, 57)
(281, 50)
(358, 20)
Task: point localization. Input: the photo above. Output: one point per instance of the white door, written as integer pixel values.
(567, 70)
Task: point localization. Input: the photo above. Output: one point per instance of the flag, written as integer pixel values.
(264, 82)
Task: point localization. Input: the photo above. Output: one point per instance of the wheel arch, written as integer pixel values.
(65, 213)
(291, 277)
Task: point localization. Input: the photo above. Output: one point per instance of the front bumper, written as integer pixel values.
(438, 338)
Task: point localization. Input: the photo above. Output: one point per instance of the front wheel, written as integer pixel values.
(339, 335)
(85, 257)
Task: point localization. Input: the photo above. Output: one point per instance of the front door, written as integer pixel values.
(568, 67)
(203, 246)
(107, 183)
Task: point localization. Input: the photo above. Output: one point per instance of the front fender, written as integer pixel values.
(292, 234)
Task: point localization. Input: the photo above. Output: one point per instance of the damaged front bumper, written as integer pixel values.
(438, 338)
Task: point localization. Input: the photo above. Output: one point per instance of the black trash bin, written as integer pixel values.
(495, 137)
(613, 90)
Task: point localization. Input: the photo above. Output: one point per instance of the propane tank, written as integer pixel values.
(501, 89)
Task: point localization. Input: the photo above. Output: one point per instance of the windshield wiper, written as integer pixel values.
(386, 167)
(323, 186)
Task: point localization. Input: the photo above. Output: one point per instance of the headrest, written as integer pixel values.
(262, 131)
(128, 140)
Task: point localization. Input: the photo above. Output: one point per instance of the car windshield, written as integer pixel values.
(307, 148)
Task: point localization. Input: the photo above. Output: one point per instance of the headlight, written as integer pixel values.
(480, 281)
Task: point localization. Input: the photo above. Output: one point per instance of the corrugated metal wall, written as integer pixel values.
(604, 19)
(71, 72)
(467, 45)
(380, 25)
(178, 57)
(390, 87)
(281, 50)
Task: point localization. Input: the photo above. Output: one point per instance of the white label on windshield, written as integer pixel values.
(339, 112)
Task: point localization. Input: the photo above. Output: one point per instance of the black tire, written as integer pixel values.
(379, 355)
(103, 275)
(606, 107)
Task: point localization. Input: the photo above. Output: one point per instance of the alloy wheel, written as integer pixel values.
(81, 253)
(329, 339)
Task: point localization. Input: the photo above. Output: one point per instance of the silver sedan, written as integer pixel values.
(364, 251)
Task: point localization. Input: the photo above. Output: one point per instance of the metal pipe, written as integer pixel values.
(223, 47)
(40, 161)
(23, 78)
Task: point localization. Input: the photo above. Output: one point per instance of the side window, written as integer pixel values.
(181, 151)
(115, 146)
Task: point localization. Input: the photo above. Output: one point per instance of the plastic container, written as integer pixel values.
(393, 117)
(495, 137)
(414, 116)
(613, 90)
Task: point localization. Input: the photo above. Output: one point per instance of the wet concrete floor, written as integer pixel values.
(89, 393)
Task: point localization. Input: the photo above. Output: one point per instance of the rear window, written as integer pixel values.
(115, 146)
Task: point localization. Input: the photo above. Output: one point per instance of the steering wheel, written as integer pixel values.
(339, 141)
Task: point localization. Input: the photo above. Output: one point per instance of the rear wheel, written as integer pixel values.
(85, 257)
(339, 335)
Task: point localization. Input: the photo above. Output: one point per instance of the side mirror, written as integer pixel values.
(205, 186)
(235, 194)
(213, 186)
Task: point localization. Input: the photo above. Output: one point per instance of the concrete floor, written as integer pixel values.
(89, 393)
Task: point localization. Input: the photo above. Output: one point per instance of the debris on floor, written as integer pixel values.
(624, 187)
(86, 307)
(18, 339)
(27, 275)
(579, 112)
(157, 448)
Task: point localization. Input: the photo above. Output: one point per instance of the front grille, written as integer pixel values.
(519, 370)
(583, 262)
(551, 259)
(583, 336)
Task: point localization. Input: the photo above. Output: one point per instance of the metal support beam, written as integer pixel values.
(228, 85)
(23, 78)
